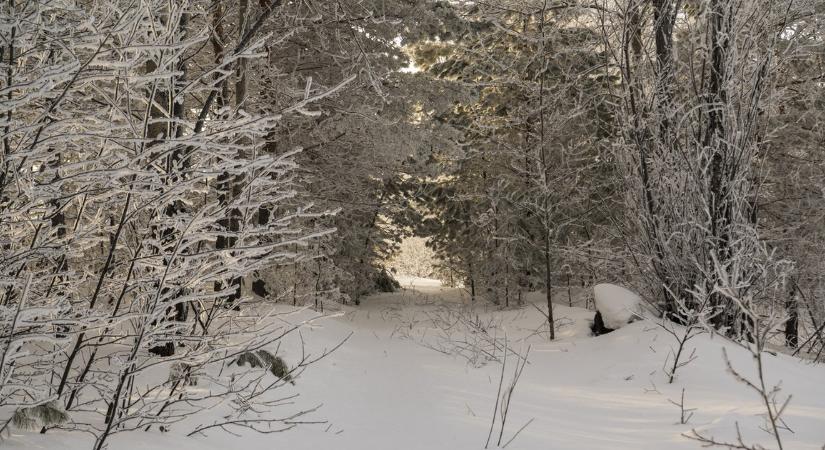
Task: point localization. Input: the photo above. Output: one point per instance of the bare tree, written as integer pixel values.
(694, 129)
(112, 211)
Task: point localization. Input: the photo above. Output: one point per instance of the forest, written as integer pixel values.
(441, 224)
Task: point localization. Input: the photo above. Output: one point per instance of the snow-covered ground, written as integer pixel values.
(416, 373)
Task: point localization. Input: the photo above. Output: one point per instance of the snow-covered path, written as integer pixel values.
(386, 389)
(399, 383)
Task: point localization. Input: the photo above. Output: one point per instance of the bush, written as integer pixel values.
(385, 282)
(33, 418)
(262, 358)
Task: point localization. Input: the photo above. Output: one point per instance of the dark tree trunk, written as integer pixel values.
(792, 324)
(175, 172)
(549, 286)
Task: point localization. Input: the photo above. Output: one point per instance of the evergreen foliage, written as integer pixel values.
(529, 189)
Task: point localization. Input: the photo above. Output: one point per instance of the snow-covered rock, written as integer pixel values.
(617, 305)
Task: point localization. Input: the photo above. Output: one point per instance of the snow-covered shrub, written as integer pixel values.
(616, 305)
(265, 360)
(134, 199)
(414, 258)
(385, 282)
(46, 415)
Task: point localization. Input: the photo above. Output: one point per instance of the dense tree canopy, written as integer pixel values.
(169, 166)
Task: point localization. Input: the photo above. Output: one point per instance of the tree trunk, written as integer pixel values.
(792, 324)
(549, 286)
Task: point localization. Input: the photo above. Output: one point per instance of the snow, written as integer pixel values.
(406, 380)
(425, 286)
(617, 305)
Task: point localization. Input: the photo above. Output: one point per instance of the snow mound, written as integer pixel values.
(617, 305)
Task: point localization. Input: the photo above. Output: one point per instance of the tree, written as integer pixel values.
(115, 142)
(693, 120)
(532, 140)
(354, 143)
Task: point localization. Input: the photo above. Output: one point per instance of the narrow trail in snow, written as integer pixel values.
(407, 379)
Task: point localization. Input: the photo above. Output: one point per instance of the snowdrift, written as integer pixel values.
(618, 306)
